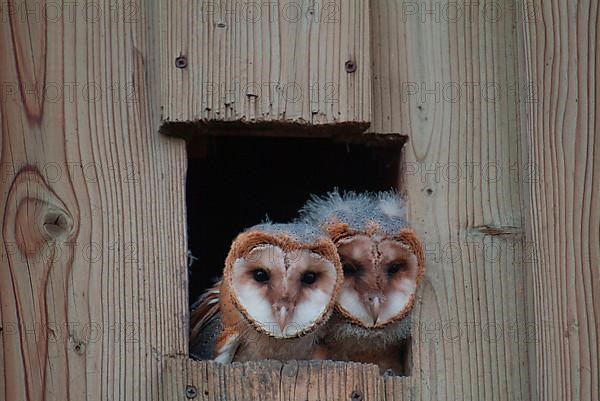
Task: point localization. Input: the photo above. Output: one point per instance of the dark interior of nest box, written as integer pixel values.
(234, 182)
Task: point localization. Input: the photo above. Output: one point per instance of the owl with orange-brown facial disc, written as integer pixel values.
(383, 264)
(279, 287)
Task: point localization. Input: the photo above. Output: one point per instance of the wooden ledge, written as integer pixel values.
(185, 378)
(348, 132)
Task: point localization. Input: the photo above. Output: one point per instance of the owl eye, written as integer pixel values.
(395, 268)
(351, 268)
(309, 278)
(260, 275)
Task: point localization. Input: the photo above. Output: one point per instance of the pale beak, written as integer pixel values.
(283, 314)
(374, 306)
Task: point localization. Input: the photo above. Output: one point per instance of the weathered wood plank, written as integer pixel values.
(282, 61)
(92, 271)
(447, 75)
(285, 381)
(563, 60)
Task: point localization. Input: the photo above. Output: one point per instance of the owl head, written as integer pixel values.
(283, 278)
(383, 260)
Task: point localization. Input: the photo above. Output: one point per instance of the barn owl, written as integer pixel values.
(279, 286)
(383, 264)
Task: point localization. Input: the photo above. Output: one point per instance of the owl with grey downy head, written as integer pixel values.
(279, 287)
(383, 264)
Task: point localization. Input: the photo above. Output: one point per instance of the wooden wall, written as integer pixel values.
(562, 137)
(498, 100)
(445, 74)
(93, 268)
(286, 61)
(274, 380)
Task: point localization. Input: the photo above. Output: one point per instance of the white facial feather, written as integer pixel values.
(309, 312)
(394, 292)
(251, 295)
(397, 301)
(318, 296)
(351, 302)
(248, 292)
(259, 308)
(399, 296)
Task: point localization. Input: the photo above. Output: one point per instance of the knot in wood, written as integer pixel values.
(57, 222)
(40, 216)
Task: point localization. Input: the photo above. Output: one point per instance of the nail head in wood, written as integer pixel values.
(356, 396)
(350, 66)
(181, 62)
(191, 392)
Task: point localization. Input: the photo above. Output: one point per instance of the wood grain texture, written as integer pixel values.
(563, 60)
(92, 265)
(447, 75)
(92, 271)
(257, 62)
(285, 381)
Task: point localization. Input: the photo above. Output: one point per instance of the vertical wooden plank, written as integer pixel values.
(447, 74)
(281, 61)
(564, 199)
(398, 389)
(3, 332)
(92, 278)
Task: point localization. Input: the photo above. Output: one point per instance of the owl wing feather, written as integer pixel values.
(227, 345)
(205, 323)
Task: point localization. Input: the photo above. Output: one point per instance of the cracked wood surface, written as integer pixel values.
(285, 381)
(288, 61)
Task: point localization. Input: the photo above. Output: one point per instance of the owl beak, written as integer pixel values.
(282, 318)
(374, 306)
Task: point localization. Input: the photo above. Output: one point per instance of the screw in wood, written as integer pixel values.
(191, 391)
(356, 396)
(350, 66)
(181, 62)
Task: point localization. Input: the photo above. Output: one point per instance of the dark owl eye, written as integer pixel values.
(260, 275)
(350, 268)
(309, 278)
(396, 267)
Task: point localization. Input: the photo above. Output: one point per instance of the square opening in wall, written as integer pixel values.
(235, 182)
